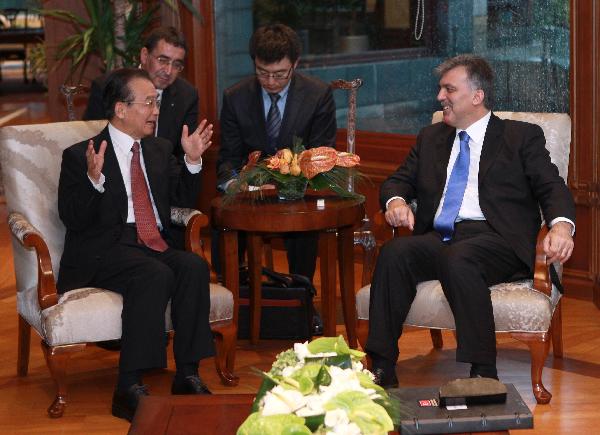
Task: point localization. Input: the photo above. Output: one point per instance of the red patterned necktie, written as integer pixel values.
(145, 220)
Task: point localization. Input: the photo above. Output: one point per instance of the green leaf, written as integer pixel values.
(333, 344)
(313, 422)
(280, 424)
(369, 416)
(323, 378)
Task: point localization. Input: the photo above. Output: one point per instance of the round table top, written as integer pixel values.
(318, 210)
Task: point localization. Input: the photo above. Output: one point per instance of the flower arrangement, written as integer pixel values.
(292, 170)
(320, 387)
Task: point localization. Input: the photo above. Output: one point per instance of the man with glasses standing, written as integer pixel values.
(163, 57)
(114, 197)
(266, 111)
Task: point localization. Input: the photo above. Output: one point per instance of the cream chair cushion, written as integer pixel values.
(31, 157)
(517, 307)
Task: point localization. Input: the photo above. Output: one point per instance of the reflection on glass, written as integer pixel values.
(526, 41)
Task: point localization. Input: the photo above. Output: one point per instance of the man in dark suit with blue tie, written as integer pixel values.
(479, 183)
(266, 111)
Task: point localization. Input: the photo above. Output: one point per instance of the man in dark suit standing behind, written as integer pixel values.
(266, 111)
(479, 182)
(163, 57)
(114, 197)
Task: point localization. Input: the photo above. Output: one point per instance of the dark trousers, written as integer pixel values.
(147, 280)
(475, 259)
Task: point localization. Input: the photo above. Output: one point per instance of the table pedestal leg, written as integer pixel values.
(327, 253)
(346, 264)
(255, 244)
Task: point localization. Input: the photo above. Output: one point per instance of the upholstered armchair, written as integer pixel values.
(529, 310)
(31, 158)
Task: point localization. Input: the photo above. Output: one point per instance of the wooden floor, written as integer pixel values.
(574, 380)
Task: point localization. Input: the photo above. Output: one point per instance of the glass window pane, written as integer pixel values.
(393, 45)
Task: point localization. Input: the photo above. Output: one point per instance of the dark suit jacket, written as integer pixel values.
(309, 114)
(515, 176)
(179, 107)
(95, 220)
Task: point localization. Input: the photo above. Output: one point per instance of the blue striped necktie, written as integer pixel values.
(444, 224)
(273, 123)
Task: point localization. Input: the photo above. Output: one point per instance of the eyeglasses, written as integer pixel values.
(165, 62)
(277, 75)
(149, 103)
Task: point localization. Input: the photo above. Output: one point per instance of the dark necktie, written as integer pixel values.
(273, 122)
(444, 224)
(145, 220)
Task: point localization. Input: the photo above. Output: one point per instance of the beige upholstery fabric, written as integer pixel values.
(517, 306)
(31, 156)
(92, 314)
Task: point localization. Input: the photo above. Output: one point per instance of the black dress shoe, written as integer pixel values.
(125, 402)
(189, 385)
(385, 378)
(483, 371)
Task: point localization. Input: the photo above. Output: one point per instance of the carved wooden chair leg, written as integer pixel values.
(539, 345)
(362, 332)
(557, 343)
(57, 358)
(225, 344)
(24, 345)
(230, 356)
(436, 338)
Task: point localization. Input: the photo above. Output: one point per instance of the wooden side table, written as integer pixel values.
(332, 216)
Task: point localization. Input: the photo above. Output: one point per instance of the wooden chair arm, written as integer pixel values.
(381, 225)
(193, 220)
(31, 238)
(541, 271)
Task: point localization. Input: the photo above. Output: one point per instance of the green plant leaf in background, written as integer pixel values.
(96, 33)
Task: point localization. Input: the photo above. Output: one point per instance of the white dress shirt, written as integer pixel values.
(470, 209)
(122, 144)
(159, 93)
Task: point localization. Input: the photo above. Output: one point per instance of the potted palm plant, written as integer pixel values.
(113, 30)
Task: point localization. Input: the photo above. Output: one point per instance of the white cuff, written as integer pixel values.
(99, 186)
(387, 203)
(193, 168)
(563, 219)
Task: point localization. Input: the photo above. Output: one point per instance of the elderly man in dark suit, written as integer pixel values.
(163, 57)
(266, 111)
(479, 182)
(114, 197)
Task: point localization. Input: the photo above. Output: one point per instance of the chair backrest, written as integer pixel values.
(31, 156)
(557, 130)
